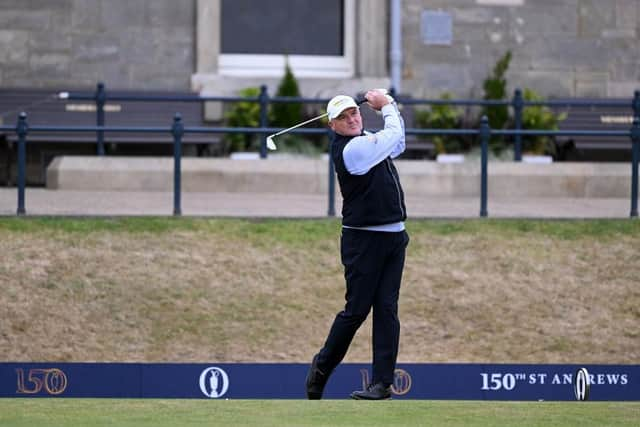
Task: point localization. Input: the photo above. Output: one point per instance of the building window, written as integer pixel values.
(256, 38)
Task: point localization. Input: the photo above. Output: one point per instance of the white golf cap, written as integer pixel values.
(338, 104)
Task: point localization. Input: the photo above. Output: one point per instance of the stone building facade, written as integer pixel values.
(559, 47)
(146, 44)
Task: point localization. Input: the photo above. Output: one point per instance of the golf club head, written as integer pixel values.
(270, 144)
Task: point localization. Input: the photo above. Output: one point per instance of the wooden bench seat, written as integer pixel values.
(599, 118)
(44, 108)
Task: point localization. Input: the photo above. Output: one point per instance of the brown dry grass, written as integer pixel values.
(232, 291)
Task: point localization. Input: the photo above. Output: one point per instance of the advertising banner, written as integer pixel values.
(286, 381)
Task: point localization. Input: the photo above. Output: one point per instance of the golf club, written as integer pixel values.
(272, 145)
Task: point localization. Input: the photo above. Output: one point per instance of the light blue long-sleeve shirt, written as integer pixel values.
(364, 152)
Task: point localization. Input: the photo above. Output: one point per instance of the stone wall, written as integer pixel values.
(146, 44)
(560, 47)
(309, 176)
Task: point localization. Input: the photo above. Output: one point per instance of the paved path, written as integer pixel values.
(44, 202)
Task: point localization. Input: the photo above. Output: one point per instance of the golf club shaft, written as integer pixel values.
(299, 124)
(359, 101)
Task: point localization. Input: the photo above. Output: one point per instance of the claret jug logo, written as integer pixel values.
(401, 381)
(214, 382)
(51, 381)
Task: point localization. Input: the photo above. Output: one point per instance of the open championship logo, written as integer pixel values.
(214, 382)
(581, 384)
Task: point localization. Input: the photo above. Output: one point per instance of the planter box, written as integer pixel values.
(530, 158)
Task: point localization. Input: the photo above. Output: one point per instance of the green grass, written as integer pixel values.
(561, 229)
(87, 225)
(159, 413)
(296, 231)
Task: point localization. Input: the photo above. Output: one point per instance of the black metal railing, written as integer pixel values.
(517, 103)
(177, 130)
(100, 97)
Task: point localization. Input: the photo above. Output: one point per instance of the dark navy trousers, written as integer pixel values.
(373, 263)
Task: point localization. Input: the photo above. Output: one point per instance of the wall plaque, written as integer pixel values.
(436, 28)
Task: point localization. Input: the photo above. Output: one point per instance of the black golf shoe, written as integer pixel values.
(316, 380)
(376, 391)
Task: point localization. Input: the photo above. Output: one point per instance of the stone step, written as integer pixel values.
(310, 176)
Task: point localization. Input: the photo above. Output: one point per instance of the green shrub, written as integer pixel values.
(287, 114)
(541, 118)
(284, 115)
(244, 114)
(442, 116)
(495, 88)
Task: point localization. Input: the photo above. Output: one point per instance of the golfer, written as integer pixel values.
(373, 241)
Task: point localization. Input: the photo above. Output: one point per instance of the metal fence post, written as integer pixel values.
(177, 130)
(331, 211)
(101, 98)
(635, 104)
(264, 107)
(518, 105)
(485, 134)
(635, 157)
(22, 129)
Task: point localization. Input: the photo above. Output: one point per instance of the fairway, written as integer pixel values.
(160, 413)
